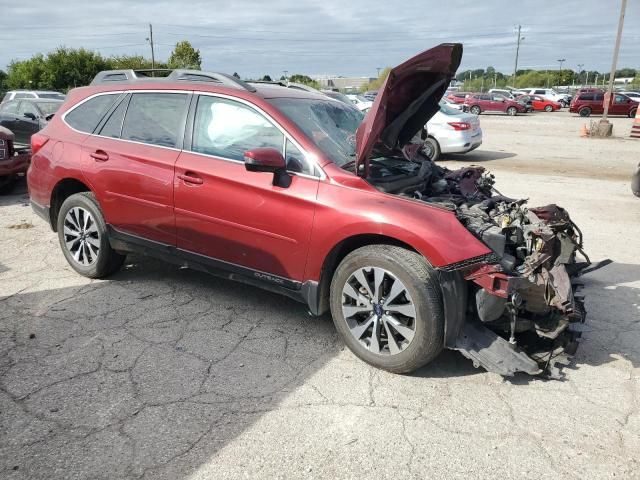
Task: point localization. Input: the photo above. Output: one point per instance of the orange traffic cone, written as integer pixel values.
(583, 130)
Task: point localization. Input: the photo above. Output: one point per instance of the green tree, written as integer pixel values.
(266, 78)
(304, 79)
(3, 80)
(235, 74)
(135, 62)
(31, 73)
(185, 56)
(67, 67)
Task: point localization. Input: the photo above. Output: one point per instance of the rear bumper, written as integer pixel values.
(460, 142)
(14, 165)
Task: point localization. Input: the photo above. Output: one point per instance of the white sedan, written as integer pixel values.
(452, 131)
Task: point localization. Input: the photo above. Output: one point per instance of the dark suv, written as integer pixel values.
(297, 193)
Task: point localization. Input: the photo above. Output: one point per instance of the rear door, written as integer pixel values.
(229, 214)
(130, 162)
(597, 105)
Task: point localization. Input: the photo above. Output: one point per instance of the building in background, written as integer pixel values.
(344, 84)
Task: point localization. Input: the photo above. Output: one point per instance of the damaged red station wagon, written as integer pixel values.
(298, 193)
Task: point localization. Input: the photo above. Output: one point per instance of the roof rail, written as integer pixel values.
(131, 76)
(126, 75)
(215, 77)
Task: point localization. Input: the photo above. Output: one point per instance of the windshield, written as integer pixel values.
(330, 125)
(47, 108)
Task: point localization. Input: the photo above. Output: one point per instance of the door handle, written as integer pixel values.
(189, 177)
(99, 156)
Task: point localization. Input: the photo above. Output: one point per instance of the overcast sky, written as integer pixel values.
(257, 37)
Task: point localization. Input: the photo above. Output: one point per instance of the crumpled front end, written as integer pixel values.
(527, 305)
(524, 308)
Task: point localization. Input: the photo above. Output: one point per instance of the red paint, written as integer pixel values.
(217, 208)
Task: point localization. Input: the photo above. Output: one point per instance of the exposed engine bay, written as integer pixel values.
(524, 308)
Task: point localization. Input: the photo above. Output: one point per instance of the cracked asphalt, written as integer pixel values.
(166, 373)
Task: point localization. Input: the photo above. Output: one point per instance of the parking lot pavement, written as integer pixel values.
(162, 372)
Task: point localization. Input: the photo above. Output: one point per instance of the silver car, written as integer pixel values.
(452, 131)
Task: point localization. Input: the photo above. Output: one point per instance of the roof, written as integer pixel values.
(177, 79)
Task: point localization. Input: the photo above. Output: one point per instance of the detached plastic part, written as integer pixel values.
(492, 352)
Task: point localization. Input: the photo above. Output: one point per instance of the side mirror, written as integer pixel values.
(268, 160)
(30, 115)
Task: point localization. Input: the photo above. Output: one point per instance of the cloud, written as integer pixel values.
(254, 37)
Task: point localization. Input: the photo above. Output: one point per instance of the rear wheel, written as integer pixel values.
(431, 149)
(548, 108)
(512, 111)
(386, 304)
(82, 233)
(475, 110)
(584, 112)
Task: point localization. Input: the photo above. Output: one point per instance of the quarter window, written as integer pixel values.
(155, 118)
(225, 128)
(296, 161)
(113, 127)
(86, 116)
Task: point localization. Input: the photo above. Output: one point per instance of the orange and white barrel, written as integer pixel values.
(635, 128)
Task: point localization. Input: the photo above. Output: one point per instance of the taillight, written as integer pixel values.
(460, 125)
(37, 142)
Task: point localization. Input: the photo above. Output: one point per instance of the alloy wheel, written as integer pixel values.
(378, 310)
(81, 236)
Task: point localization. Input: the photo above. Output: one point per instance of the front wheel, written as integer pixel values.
(512, 111)
(82, 233)
(386, 304)
(633, 112)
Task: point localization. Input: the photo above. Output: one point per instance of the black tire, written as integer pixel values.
(635, 182)
(431, 148)
(584, 112)
(420, 281)
(107, 260)
(512, 111)
(633, 112)
(548, 108)
(476, 110)
(7, 184)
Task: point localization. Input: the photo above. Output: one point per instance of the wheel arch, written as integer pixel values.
(338, 252)
(60, 192)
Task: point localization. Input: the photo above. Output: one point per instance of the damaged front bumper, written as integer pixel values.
(525, 317)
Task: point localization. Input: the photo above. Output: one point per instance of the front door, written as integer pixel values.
(225, 212)
(131, 162)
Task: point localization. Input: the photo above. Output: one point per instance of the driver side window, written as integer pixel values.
(26, 107)
(226, 128)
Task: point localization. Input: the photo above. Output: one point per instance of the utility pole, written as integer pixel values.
(378, 69)
(580, 65)
(153, 56)
(515, 68)
(561, 61)
(286, 77)
(614, 64)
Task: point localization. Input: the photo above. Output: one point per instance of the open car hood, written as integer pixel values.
(407, 100)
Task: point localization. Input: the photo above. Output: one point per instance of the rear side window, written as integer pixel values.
(599, 97)
(540, 92)
(587, 96)
(227, 129)
(6, 97)
(155, 118)
(86, 116)
(24, 95)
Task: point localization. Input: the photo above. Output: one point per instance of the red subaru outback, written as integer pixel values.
(298, 193)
